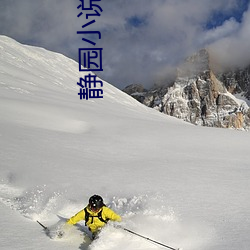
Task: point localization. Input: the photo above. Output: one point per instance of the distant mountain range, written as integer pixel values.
(201, 94)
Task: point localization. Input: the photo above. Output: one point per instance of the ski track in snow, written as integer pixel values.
(145, 214)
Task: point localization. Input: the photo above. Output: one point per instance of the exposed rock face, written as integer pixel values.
(199, 97)
(237, 81)
(137, 91)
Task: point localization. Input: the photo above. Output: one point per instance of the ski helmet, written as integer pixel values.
(95, 202)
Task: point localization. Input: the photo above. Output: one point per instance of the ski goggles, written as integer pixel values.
(94, 208)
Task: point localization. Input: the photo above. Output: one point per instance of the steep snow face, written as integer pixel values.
(44, 78)
(179, 184)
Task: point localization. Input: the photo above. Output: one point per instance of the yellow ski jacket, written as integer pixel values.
(94, 223)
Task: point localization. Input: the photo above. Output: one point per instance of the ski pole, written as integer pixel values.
(45, 228)
(146, 238)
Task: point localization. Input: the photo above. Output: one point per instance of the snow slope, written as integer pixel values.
(176, 183)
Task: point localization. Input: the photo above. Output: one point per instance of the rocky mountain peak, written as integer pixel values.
(196, 64)
(202, 97)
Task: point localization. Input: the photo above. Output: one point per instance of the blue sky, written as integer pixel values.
(218, 17)
(142, 40)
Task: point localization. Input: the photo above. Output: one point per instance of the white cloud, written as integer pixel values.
(228, 28)
(233, 50)
(170, 31)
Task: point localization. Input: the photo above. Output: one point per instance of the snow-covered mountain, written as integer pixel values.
(201, 96)
(182, 185)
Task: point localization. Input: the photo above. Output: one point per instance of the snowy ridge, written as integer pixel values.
(179, 184)
(37, 69)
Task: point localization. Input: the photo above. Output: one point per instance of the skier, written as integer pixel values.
(95, 214)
